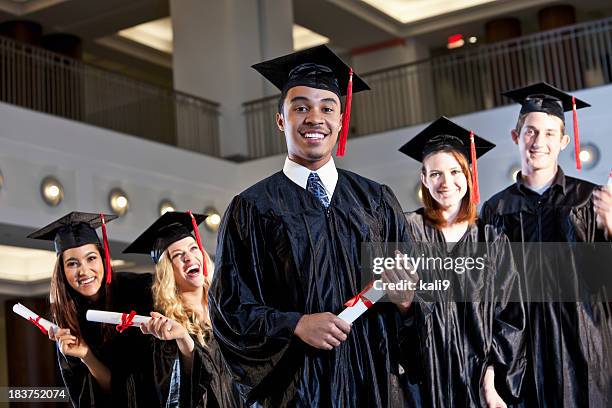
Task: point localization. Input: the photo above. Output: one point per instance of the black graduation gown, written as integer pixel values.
(280, 255)
(569, 343)
(448, 344)
(209, 384)
(126, 355)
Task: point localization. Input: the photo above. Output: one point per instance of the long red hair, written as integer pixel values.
(433, 211)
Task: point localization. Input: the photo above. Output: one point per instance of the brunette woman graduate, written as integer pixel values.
(188, 367)
(98, 365)
(465, 345)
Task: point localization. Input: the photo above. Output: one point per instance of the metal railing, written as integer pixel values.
(41, 80)
(573, 57)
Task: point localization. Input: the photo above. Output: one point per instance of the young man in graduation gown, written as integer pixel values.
(288, 258)
(569, 343)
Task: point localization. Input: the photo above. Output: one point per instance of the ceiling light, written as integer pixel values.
(213, 219)
(304, 38)
(120, 263)
(589, 155)
(51, 191)
(513, 172)
(165, 206)
(414, 10)
(118, 201)
(155, 34)
(25, 264)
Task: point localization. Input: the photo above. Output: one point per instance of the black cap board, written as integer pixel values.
(316, 67)
(167, 229)
(444, 134)
(543, 97)
(72, 230)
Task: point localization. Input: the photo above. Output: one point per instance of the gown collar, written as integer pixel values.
(299, 174)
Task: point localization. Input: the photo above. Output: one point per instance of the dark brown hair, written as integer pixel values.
(521, 121)
(63, 302)
(433, 211)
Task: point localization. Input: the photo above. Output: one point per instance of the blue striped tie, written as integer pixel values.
(316, 187)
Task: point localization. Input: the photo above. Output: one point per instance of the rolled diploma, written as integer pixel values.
(102, 316)
(351, 313)
(26, 313)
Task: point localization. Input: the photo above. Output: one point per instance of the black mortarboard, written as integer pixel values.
(444, 134)
(167, 229)
(543, 97)
(441, 134)
(72, 230)
(77, 229)
(316, 67)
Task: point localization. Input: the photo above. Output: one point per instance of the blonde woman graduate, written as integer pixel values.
(188, 368)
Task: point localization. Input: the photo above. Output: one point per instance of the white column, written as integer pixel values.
(215, 44)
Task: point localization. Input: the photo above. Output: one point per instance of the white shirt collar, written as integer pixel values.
(299, 174)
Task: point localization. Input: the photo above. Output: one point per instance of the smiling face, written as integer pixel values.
(444, 179)
(84, 269)
(187, 261)
(540, 141)
(311, 121)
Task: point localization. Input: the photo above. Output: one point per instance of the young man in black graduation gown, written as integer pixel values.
(569, 343)
(288, 258)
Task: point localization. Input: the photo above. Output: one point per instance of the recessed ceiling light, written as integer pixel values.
(165, 206)
(513, 171)
(118, 201)
(419, 192)
(589, 155)
(25, 264)
(410, 11)
(51, 191)
(155, 34)
(213, 219)
(304, 38)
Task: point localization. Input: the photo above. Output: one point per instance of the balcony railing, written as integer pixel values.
(37, 79)
(573, 57)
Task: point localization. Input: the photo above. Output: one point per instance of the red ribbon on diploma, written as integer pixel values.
(36, 323)
(361, 296)
(126, 321)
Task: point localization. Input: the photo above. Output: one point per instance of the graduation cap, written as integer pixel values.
(320, 68)
(444, 134)
(167, 229)
(543, 97)
(77, 229)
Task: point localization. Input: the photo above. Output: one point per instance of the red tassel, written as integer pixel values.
(199, 241)
(346, 118)
(107, 260)
(475, 188)
(576, 135)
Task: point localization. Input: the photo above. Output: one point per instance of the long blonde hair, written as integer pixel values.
(168, 300)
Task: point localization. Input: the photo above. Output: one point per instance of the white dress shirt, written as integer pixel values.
(299, 175)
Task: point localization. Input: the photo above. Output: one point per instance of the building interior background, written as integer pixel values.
(144, 106)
